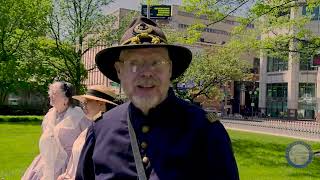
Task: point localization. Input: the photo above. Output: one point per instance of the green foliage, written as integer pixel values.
(124, 22)
(188, 37)
(213, 10)
(64, 61)
(42, 41)
(272, 20)
(274, 31)
(21, 22)
(212, 69)
(75, 28)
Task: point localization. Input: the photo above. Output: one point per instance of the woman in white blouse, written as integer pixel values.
(98, 99)
(60, 127)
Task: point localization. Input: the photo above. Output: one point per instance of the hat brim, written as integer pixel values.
(179, 55)
(82, 98)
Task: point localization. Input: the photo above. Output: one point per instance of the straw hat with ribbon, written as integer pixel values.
(98, 93)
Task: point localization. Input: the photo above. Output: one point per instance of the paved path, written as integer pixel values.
(294, 129)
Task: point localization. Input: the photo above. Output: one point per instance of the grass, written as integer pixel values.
(259, 157)
(18, 147)
(262, 157)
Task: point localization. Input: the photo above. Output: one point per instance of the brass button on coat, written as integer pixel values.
(145, 160)
(144, 145)
(145, 129)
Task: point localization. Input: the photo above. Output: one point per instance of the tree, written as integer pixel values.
(280, 29)
(76, 26)
(267, 17)
(271, 20)
(20, 23)
(28, 73)
(212, 69)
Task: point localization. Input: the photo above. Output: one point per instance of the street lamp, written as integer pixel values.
(252, 104)
(242, 96)
(253, 95)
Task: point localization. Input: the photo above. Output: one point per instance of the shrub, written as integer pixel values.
(22, 110)
(21, 118)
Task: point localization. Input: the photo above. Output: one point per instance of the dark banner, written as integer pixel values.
(157, 11)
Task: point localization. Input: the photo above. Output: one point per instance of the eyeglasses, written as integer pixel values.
(136, 65)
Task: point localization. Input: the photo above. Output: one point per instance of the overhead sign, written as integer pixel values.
(157, 11)
(316, 60)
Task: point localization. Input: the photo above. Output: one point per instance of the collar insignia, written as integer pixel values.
(212, 117)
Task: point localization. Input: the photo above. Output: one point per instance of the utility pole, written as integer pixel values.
(148, 8)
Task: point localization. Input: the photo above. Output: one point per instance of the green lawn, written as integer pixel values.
(258, 156)
(18, 147)
(262, 157)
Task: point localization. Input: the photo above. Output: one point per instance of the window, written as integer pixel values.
(277, 99)
(307, 101)
(277, 90)
(216, 31)
(183, 26)
(209, 30)
(306, 90)
(306, 62)
(276, 64)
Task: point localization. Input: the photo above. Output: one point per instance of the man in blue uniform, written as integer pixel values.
(156, 135)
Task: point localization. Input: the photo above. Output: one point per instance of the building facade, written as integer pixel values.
(290, 88)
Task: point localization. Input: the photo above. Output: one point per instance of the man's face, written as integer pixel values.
(145, 75)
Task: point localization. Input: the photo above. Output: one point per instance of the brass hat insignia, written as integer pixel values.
(142, 28)
(142, 34)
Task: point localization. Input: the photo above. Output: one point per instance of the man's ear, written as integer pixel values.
(117, 67)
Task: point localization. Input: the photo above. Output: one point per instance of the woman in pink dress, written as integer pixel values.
(97, 100)
(60, 128)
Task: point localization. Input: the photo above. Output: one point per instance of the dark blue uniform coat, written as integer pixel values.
(177, 142)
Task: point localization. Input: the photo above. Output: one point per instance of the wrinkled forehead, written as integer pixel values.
(158, 52)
